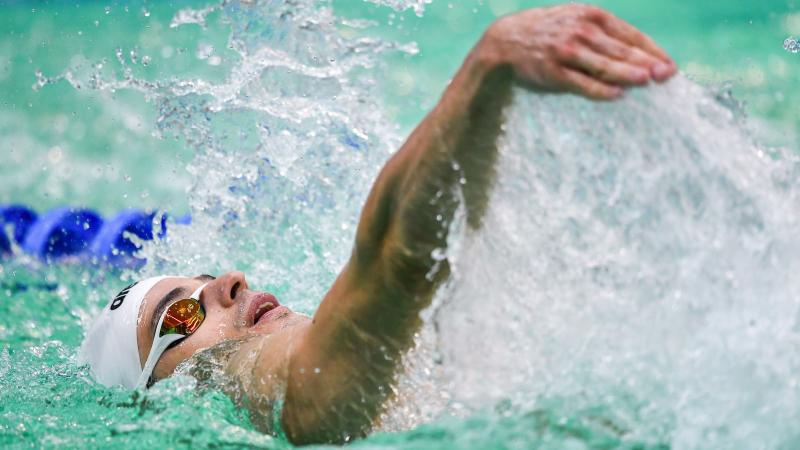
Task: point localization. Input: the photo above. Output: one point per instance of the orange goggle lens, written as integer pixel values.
(183, 317)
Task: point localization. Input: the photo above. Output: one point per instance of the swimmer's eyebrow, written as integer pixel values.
(173, 295)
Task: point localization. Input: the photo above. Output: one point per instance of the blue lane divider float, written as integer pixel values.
(111, 244)
(79, 233)
(5, 245)
(19, 218)
(62, 232)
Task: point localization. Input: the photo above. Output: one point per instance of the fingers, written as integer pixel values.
(605, 69)
(607, 45)
(662, 68)
(614, 48)
(582, 84)
(578, 48)
(626, 32)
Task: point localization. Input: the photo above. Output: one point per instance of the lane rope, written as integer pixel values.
(73, 233)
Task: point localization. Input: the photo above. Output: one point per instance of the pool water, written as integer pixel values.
(644, 252)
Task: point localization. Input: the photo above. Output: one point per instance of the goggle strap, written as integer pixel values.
(159, 346)
(196, 294)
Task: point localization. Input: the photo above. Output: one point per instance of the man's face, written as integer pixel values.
(232, 311)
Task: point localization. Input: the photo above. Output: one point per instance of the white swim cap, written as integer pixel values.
(111, 347)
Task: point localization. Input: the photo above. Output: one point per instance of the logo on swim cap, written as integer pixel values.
(121, 297)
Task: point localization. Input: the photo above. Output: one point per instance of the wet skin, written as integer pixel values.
(229, 306)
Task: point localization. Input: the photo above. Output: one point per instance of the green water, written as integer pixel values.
(100, 149)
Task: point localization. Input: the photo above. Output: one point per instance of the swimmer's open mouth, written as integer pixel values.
(262, 304)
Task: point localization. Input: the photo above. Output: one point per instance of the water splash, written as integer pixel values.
(640, 260)
(791, 45)
(401, 5)
(194, 16)
(299, 169)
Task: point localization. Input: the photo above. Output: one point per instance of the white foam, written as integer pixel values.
(639, 257)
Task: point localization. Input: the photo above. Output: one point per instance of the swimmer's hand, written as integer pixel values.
(575, 48)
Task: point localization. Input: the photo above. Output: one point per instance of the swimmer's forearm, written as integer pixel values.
(449, 156)
(448, 159)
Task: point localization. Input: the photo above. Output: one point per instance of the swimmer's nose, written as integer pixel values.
(227, 288)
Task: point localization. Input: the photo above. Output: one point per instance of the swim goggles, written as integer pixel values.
(179, 321)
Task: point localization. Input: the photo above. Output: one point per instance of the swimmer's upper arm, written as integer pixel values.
(341, 370)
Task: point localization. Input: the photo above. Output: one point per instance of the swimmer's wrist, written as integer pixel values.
(483, 68)
(488, 55)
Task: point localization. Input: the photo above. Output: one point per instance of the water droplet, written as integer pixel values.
(791, 45)
(55, 154)
(204, 51)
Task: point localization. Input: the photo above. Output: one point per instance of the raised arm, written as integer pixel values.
(341, 367)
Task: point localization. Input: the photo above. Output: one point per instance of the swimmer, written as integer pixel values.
(332, 374)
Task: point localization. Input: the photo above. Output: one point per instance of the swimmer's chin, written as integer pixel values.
(210, 363)
(208, 366)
